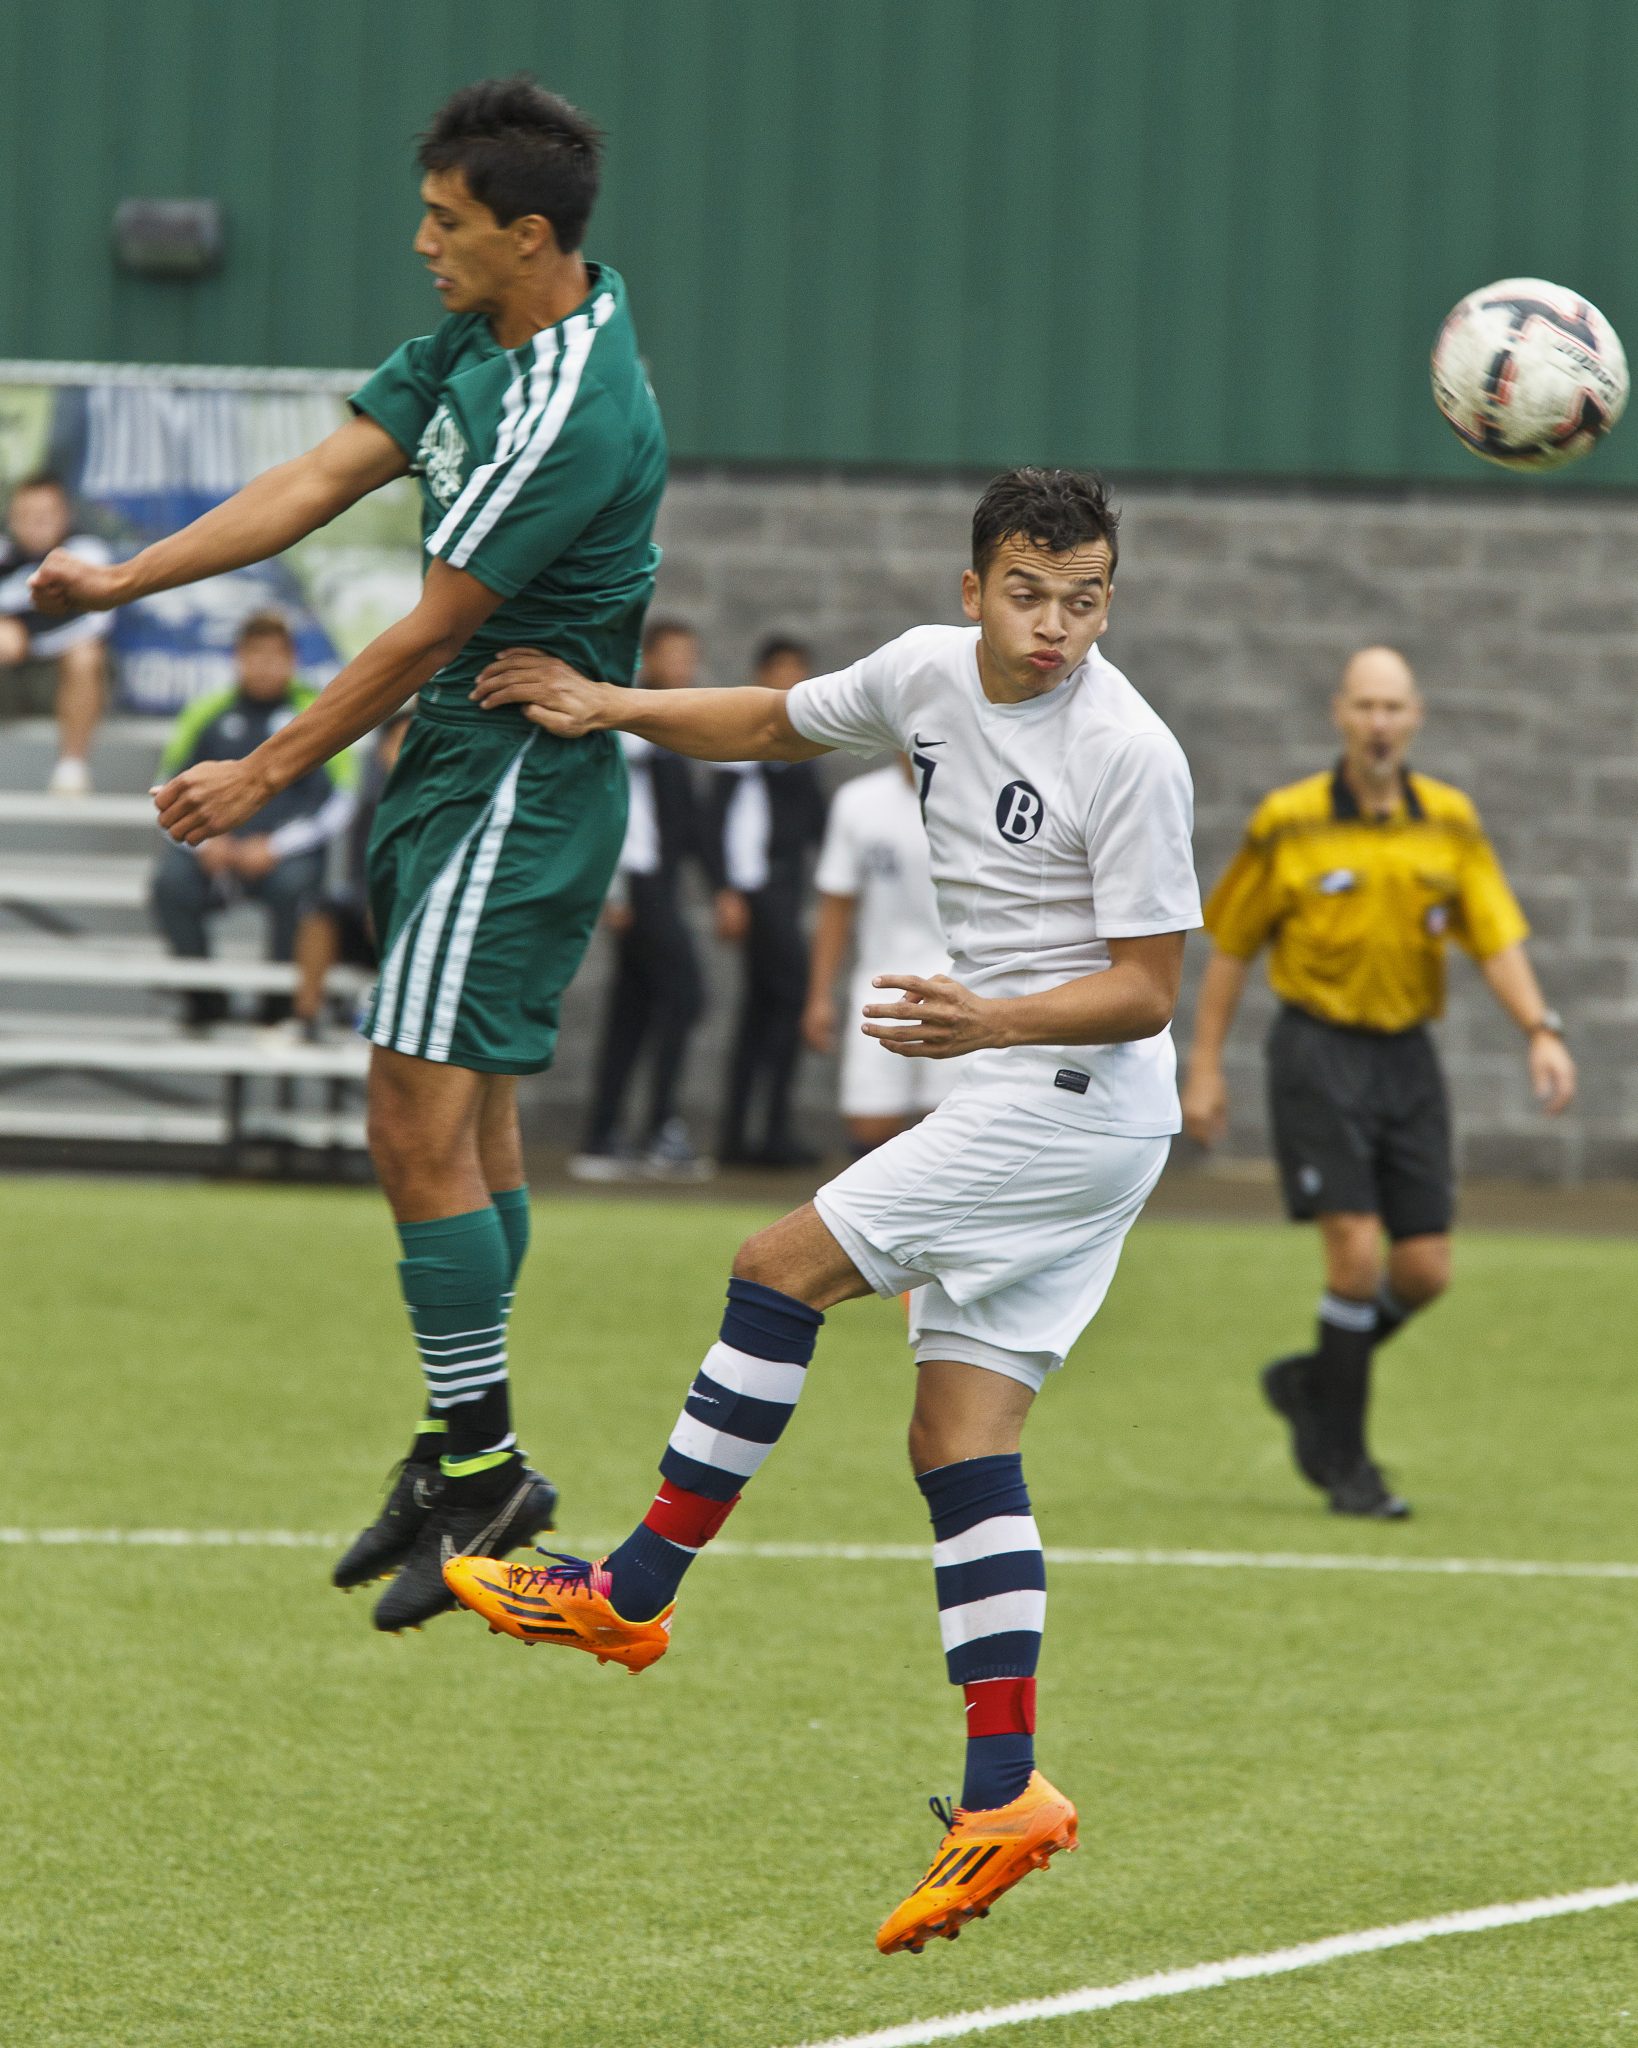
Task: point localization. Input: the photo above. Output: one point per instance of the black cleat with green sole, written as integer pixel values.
(485, 1516)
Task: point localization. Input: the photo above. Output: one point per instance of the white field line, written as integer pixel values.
(1236, 1970)
(894, 1553)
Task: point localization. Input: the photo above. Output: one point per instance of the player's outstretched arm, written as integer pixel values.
(212, 798)
(273, 511)
(711, 725)
(939, 1019)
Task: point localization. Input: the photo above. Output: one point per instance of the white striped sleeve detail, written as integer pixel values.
(988, 1539)
(517, 420)
(579, 333)
(715, 1447)
(763, 1379)
(484, 862)
(1000, 1614)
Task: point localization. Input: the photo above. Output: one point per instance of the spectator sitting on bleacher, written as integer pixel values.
(277, 855)
(67, 656)
(337, 928)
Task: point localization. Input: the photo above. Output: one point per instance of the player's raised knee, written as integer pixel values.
(760, 1259)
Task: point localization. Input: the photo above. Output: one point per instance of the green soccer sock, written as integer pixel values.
(511, 1205)
(455, 1274)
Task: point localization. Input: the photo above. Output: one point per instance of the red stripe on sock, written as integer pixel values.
(1001, 1706)
(686, 1518)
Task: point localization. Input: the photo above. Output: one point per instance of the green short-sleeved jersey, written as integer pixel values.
(541, 470)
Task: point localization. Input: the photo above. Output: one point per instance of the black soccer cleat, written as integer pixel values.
(468, 1518)
(1364, 1492)
(1285, 1388)
(378, 1551)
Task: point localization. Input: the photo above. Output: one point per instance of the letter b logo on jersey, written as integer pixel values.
(1019, 811)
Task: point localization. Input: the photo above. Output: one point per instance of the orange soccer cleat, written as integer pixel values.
(564, 1602)
(983, 1854)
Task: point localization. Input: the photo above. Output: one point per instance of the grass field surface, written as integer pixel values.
(235, 1817)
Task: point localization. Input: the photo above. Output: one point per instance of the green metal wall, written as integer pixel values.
(1207, 236)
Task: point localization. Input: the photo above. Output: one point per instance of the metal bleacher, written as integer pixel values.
(94, 1057)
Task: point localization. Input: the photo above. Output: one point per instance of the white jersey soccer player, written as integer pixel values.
(1059, 812)
(875, 886)
(1054, 825)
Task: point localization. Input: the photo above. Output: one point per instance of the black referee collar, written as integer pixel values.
(1345, 805)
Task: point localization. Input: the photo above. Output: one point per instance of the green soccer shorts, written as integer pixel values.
(489, 860)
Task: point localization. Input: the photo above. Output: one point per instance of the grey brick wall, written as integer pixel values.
(1234, 612)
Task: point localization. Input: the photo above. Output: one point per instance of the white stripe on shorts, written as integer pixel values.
(427, 941)
(998, 1615)
(484, 862)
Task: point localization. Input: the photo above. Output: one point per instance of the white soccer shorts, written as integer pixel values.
(875, 1082)
(1006, 1225)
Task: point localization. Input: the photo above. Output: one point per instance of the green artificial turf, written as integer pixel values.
(231, 1816)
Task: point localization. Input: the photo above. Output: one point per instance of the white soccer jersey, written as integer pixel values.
(875, 851)
(1054, 826)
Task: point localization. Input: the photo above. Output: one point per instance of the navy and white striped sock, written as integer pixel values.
(737, 1409)
(991, 1581)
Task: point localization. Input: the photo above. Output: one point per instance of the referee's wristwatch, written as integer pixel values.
(1549, 1020)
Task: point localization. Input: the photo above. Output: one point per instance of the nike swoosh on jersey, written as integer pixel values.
(916, 740)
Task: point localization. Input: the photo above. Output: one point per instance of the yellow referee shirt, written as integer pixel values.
(1359, 911)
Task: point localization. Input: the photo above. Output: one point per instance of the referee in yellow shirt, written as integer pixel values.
(1357, 879)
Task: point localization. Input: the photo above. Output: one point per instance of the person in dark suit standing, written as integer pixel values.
(657, 993)
(769, 819)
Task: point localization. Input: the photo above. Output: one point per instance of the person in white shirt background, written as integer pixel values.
(875, 889)
(40, 517)
(1059, 815)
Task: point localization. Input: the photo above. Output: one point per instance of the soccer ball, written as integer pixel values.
(1528, 374)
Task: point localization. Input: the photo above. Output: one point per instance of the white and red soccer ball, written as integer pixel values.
(1528, 374)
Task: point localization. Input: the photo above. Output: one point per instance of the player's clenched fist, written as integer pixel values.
(66, 582)
(205, 801)
(551, 693)
(937, 1020)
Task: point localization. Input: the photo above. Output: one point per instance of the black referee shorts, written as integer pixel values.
(1361, 1124)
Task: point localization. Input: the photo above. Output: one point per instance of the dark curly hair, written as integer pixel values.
(522, 149)
(1058, 509)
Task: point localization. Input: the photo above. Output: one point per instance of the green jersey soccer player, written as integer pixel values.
(529, 423)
